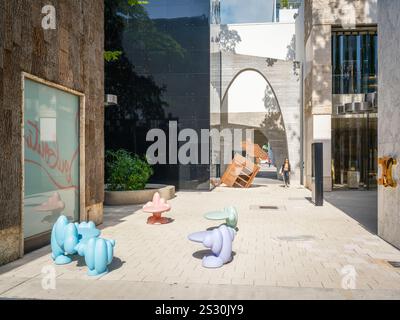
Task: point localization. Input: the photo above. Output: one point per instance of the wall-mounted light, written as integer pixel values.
(110, 100)
(386, 178)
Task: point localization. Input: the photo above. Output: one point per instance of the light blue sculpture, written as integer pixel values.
(98, 252)
(83, 239)
(229, 214)
(220, 242)
(64, 238)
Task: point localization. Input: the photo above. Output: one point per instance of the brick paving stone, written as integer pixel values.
(270, 251)
(310, 284)
(242, 281)
(265, 282)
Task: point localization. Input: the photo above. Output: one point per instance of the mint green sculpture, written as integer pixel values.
(229, 214)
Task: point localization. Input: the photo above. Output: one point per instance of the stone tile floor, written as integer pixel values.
(298, 251)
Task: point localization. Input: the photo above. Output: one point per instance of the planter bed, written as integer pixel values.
(123, 198)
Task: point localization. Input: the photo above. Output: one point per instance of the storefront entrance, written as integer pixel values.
(355, 108)
(355, 151)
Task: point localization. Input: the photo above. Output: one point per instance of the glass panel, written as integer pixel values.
(354, 151)
(163, 75)
(249, 11)
(341, 62)
(255, 11)
(51, 133)
(354, 62)
(358, 65)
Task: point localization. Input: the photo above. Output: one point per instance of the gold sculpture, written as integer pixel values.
(386, 179)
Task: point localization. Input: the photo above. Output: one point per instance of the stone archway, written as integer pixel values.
(269, 121)
(283, 79)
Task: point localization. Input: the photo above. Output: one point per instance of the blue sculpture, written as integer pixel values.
(229, 214)
(82, 239)
(220, 242)
(64, 238)
(98, 252)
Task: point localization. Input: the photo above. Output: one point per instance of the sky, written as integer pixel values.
(246, 11)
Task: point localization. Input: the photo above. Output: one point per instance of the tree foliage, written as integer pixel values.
(111, 56)
(126, 172)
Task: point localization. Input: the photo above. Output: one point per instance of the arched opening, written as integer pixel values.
(249, 102)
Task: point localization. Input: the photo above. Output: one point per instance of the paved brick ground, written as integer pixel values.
(296, 251)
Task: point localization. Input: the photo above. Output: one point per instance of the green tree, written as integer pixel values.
(139, 27)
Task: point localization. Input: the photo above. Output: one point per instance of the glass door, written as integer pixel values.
(51, 157)
(354, 151)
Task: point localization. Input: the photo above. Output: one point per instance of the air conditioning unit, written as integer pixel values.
(110, 100)
(364, 106)
(372, 98)
(340, 109)
(350, 107)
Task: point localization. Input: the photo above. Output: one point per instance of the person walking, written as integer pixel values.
(285, 172)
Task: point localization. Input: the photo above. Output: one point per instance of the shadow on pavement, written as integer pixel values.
(114, 215)
(362, 206)
(28, 258)
(203, 253)
(115, 264)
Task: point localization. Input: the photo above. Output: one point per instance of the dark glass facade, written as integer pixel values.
(355, 151)
(162, 75)
(354, 120)
(354, 61)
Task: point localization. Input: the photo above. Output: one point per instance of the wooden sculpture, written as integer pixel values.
(254, 151)
(240, 173)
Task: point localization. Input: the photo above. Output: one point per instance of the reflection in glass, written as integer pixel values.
(354, 121)
(354, 62)
(355, 151)
(51, 158)
(163, 75)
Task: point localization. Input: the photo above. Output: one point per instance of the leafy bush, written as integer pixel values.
(126, 172)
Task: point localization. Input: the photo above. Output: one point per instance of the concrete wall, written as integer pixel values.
(287, 15)
(300, 54)
(272, 40)
(267, 97)
(389, 115)
(319, 16)
(248, 93)
(299, 32)
(72, 56)
(215, 88)
(281, 124)
(252, 103)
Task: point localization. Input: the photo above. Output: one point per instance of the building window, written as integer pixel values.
(354, 61)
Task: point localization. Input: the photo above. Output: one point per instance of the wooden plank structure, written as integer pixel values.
(255, 151)
(240, 173)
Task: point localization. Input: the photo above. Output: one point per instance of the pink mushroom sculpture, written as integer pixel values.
(157, 207)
